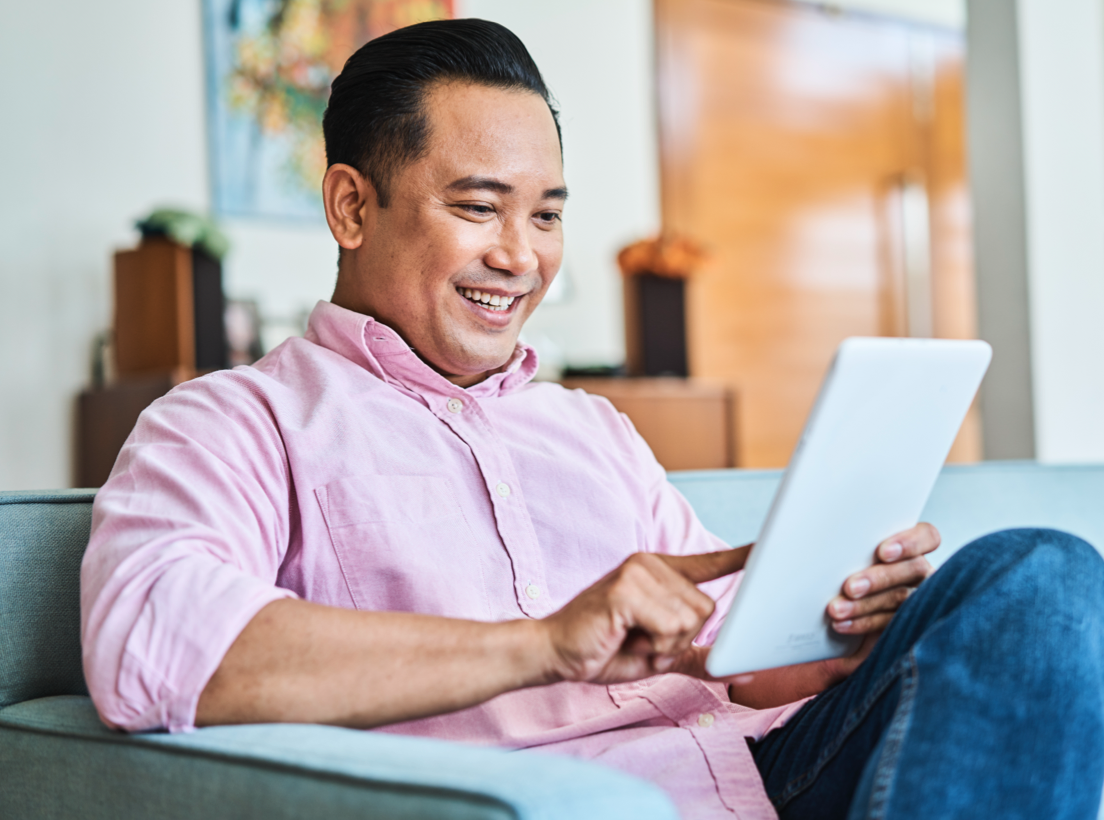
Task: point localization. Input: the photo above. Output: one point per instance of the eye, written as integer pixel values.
(549, 217)
(477, 210)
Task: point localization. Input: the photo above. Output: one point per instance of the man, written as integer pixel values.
(384, 524)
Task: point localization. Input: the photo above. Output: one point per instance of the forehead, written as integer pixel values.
(481, 131)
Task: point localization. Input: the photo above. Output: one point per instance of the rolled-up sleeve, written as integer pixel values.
(188, 535)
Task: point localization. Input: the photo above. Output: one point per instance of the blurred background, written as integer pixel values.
(752, 181)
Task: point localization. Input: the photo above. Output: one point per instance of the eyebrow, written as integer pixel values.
(478, 183)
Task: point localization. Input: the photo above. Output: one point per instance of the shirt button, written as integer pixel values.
(705, 720)
(533, 591)
(502, 489)
(455, 405)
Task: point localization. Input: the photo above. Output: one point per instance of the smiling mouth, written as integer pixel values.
(487, 301)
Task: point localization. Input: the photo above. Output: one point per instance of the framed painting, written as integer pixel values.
(269, 68)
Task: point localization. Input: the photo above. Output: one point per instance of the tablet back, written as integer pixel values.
(885, 419)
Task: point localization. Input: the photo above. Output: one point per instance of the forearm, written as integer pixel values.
(776, 687)
(300, 662)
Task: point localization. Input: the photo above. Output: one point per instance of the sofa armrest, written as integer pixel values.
(57, 757)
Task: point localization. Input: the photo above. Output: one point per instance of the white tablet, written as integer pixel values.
(885, 419)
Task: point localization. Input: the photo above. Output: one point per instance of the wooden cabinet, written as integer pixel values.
(169, 326)
(687, 423)
(168, 311)
(105, 417)
(154, 309)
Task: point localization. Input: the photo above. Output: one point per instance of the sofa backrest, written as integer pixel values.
(42, 540)
(968, 501)
(43, 537)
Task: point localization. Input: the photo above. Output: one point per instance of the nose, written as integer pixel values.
(514, 252)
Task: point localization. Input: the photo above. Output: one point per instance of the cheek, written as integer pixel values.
(445, 254)
(549, 249)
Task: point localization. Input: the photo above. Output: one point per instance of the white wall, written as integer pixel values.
(104, 119)
(995, 118)
(100, 123)
(597, 58)
(1061, 48)
(948, 13)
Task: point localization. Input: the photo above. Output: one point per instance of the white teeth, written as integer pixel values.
(487, 300)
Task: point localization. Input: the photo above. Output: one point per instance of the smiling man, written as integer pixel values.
(471, 236)
(387, 524)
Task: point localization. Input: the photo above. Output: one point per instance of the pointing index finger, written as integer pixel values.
(707, 566)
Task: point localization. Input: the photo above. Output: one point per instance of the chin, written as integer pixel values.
(478, 362)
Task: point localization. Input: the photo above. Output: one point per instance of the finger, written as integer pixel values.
(637, 642)
(842, 608)
(691, 662)
(920, 540)
(623, 667)
(669, 622)
(865, 625)
(677, 584)
(667, 632)
(650, 574)
(881, 577)
(708, 565)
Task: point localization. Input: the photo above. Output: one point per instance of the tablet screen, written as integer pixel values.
(883, 423)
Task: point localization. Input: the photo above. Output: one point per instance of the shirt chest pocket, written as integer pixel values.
(404, 545)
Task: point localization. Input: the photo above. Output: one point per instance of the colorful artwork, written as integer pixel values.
(269, 68)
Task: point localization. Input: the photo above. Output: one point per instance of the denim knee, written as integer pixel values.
(1062, 564)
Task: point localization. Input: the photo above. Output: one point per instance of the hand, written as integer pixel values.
(870, 598)
(640, 620)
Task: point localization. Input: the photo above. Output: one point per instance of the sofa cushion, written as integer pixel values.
(42, 541)
(56, 756)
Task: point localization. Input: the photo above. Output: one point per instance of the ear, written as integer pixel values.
(350, 201)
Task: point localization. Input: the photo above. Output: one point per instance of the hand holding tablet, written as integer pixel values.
(875, 441)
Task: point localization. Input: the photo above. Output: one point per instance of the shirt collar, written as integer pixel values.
(381, 351)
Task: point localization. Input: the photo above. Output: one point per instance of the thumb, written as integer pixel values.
(706, 566)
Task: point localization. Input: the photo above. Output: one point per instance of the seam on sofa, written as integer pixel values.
(682, 476)
(367, 782)
(48, 497)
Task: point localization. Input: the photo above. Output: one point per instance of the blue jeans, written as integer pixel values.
(984, 698)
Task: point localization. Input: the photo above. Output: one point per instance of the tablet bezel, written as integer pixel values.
(883, 423)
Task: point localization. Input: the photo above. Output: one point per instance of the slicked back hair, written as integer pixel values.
(376, 119)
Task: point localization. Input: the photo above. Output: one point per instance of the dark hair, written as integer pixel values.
(376, 119)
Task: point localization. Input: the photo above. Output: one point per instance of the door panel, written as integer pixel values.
(787, 136)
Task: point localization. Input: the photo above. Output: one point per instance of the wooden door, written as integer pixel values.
(819, 157)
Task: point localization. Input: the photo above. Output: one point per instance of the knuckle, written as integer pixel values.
(684, 620)
(880, 575)
(871, 623)
(702, 604)
(920, 567)
(635, 568)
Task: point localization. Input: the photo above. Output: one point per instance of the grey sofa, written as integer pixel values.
(57, 760)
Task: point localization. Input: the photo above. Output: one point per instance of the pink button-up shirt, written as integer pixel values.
(343, 470)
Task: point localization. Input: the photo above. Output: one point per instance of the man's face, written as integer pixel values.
(471, 238)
